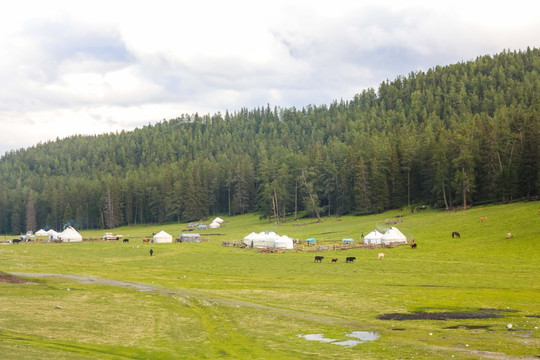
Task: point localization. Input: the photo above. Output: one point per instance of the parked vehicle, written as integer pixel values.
(111, 236)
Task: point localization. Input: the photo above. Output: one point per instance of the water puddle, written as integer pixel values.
(361, 336)
(364, 335)
(316, 337)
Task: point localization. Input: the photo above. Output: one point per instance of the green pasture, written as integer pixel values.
(209, 301)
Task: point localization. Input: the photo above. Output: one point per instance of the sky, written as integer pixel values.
(92, 67)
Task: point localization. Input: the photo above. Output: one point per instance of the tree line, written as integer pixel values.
(452, 136)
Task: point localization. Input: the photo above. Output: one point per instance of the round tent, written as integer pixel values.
(373, 238)
(214, 225)
(162, 237)
(247, 239)
(284, 242)
(52, 234)
(264, 240)
(393, 237)
(69, 235)
(41, 232)
(218, 220)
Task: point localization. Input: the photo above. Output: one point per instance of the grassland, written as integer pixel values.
(207, 301)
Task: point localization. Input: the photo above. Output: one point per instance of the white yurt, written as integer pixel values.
(373, 238)
(214, 225)
(41, 232)
(264, 240)
(284, 242)
(162, 237)
(218, 220)
(268, 240)
(393, 236)
(52, 234)
(247, 239)
(69, 235)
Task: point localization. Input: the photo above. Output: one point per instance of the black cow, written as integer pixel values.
(350, 259)
(455, 234)
(16, 241)
(125, 240)
(318, 258)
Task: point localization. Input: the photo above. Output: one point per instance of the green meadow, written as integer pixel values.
(112, 300)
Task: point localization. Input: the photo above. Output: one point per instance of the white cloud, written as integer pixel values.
(100, 66)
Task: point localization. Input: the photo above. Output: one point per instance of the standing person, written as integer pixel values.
(151, 252)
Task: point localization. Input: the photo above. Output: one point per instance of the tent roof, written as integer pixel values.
(190, 235)
(41, 232)
(162, 233)
(375, 234)
(250, 236)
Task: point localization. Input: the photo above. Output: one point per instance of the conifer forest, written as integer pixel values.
(451, 137)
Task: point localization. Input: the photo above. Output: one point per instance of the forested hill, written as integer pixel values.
(452, 136)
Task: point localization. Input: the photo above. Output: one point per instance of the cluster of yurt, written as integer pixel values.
(69, 235)
(216, 223)
(392, 236)
(50, 234)
(162, 237)
(268, 240)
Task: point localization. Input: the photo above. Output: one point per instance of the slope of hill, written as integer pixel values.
(451, 136)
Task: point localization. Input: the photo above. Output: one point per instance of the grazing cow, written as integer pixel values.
(146, 240)
(16, 241)
(413, 245)
(381, 256)
(318, 258)
(334, 260)
(483, 218)
(350, 259)
(509, 236)
(455, 234)
(125, 240)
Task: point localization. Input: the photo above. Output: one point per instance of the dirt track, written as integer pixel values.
(12, 279)
(208, 298)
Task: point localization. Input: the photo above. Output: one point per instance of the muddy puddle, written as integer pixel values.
(357, 337)
(438, 316)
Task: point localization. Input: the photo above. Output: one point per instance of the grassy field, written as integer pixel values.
(207, 301)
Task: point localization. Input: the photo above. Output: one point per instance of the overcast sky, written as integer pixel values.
(90, 67)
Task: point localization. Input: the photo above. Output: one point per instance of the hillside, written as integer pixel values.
(449, 137)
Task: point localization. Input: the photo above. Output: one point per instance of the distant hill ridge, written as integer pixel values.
(451, 136)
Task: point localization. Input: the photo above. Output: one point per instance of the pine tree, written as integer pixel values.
(31, 213)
